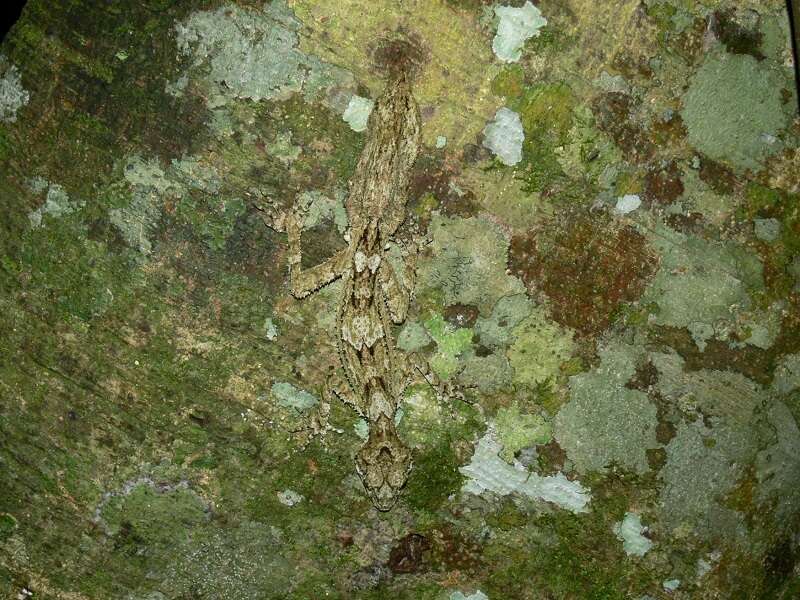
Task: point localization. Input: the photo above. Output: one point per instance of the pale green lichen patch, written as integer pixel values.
(413, 337)
(12, 95)
(507, 313)
(253, 54)
(630, 532)
(289, 396)
(240, 561)
(587, 153)
(517, 430)
(488, 374)
(541, 346)
(787, 374)
(289, 497)
(477, 595)
(150, 508)
(504, 136)
(767, 230)
(733, 109)
(702, 465)
(191, 185)
(451, 342)
(319, 208)
(732, 427)
(283, 149)
(605, 423)
(468, 263)
(701, 281)
(357, 112)
(488, 472)
(514, 27)
(777, 466)
(56, 203)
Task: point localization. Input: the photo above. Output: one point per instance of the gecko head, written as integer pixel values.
(383, 463)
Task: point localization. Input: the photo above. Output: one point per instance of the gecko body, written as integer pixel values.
(373, 295)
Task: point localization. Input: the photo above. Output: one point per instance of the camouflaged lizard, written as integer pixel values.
(373, 294)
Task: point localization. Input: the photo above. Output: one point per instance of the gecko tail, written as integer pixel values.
(383, 463)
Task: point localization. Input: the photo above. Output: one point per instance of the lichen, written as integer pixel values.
(497, 329)
(488, 374)
(477, 595)
(12, 95)
(357, 112)
(708, 457)
(467, 263)
(777, 466)
(451, 342)
(627, 203)
(254, 54)
(504, 136)
(688, 290)
(540, 347)
(733, 110)
(488, 472)
(319, 208)
(787, 374)
(630, 532)
(604, 423)
(289, 497)
(56, 203)
(413, 337)
(289, 396)
(517, 430)
(514, 27)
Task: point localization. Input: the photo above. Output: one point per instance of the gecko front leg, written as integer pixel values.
(306, 281)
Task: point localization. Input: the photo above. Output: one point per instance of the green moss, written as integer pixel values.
(546, 112)
(507, 517)
(435, 476)
(95, 278)
(566, 566)
(5, 144)
(157, 517)
(311, 123)
(509, 82)
(7, 526)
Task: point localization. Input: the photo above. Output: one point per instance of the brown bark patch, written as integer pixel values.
(587, 270)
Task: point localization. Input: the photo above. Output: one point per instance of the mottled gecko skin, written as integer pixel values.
(373, 295)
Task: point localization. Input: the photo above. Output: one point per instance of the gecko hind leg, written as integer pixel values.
(415, 366)
(319, 423)
(340, 388)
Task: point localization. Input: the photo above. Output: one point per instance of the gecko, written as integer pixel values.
(373, 294)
